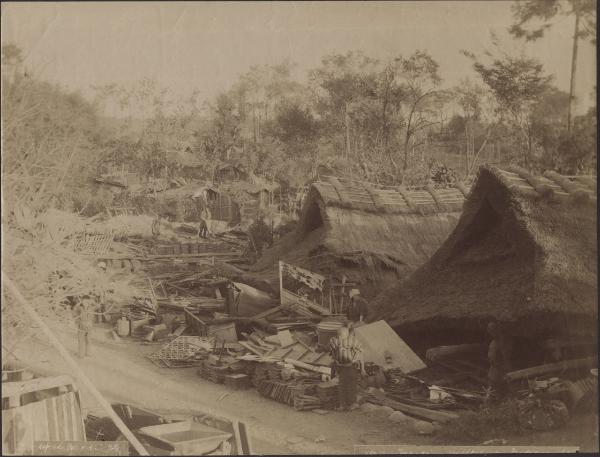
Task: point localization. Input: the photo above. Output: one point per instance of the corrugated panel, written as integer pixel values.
(54, 419)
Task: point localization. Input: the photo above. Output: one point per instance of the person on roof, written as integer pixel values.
(357, 307)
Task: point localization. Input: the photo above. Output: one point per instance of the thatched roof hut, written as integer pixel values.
(371, 234)
(524, 252)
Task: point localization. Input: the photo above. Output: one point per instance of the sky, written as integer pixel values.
(187, 46)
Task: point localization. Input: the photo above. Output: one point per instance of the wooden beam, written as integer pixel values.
(268, 312)
(438, 352)
(307, 366)
(551, 368)
(196, 318)
(81, 376)
(418, 411)
(173, 256)
(11, 389)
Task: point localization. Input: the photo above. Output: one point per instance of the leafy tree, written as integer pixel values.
(548, 125)
(538, 16)
(516, 84)
(339, 84)
(578, 150)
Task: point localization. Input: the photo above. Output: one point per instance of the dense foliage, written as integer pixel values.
(383, 121)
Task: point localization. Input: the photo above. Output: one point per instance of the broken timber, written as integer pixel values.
(424, 413)
(173, 256)
(551, 368)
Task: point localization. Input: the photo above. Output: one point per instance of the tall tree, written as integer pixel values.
(538, 16)
(470, 97)
(516, 84)
(339, 83)
(421, 81)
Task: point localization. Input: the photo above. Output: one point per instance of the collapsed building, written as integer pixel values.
(373, 235)
(524, 252)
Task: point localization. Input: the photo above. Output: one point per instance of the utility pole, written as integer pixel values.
(573, 71)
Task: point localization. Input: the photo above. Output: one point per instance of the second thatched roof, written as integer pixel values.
(367, 232)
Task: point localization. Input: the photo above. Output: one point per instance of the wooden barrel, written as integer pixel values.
(326, 330)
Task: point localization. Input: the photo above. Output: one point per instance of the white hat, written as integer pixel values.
(354, 292)
(102, 265)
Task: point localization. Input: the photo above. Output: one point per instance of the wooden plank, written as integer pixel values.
(551, 368)
(268, 312)
(418, 411)
(285, 338)
(309, 367)
(196, 318)
(11, 389)
(378, 339)
(251, 348)
(175, 256)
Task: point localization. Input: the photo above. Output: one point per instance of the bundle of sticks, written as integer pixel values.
(306, 402)
(280, 391)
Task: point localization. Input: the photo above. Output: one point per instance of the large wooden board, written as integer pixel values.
(54, 419)
(378, 338)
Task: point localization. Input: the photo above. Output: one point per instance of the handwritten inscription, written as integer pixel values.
(81, 448)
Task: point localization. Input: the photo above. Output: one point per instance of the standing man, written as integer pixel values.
(499, 356)
(202, 228)
(156, 226)
(83, 313)
(357, 307)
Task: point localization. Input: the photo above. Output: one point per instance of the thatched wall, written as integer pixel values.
(524, 252)
(372, 235)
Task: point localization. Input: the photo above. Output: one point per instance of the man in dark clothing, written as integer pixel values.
(357, 308)
(202, 229)
(499, 356)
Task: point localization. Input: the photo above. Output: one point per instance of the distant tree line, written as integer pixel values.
(386, 121)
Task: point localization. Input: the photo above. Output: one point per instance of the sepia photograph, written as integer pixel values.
(299, 227)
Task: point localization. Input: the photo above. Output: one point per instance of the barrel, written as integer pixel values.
(326, 330)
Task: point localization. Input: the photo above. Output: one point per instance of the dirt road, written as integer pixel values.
(123, 374)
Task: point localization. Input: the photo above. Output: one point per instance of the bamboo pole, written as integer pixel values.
(81, 376)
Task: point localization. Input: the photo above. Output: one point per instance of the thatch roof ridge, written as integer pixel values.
(375, 198)
(551, 185)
